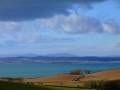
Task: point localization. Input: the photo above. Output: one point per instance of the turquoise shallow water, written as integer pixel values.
(36, 70)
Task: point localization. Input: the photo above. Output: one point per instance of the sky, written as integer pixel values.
(42, 27)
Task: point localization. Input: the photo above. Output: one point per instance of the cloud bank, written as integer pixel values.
(13, 32)
(76, 23)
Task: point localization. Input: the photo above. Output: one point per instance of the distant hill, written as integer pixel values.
(59, 59)
(61, 55)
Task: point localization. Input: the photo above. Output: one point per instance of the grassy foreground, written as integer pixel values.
(18, 86)
(64, 88)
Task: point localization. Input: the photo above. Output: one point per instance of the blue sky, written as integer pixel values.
(79, 27)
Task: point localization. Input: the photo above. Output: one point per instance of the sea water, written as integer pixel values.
(39, 69)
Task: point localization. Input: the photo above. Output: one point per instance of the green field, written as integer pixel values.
(17, 86)
(65, 88)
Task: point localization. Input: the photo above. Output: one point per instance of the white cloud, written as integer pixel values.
(9, 26)
(15, 32)
(111, 27)
(76, 23)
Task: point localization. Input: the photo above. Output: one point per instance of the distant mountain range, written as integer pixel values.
(62, 55)
(59, 58)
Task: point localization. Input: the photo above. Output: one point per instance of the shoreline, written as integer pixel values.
(68, 62)
(69, 79)
(38, 76)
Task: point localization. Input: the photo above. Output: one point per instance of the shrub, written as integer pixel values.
(111, 85)
(103, 85)
(94, 84)
(75, 72)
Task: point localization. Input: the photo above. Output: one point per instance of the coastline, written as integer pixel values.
(69, 80)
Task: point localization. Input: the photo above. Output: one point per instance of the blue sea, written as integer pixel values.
(38, 70)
